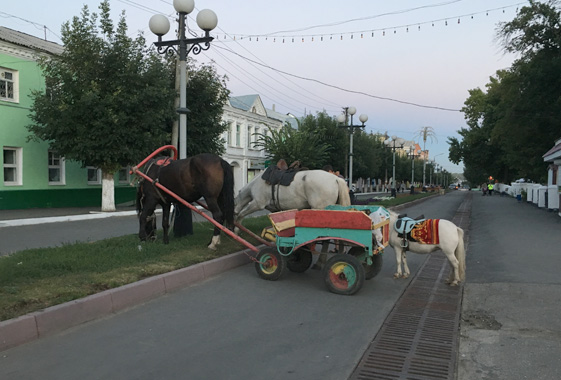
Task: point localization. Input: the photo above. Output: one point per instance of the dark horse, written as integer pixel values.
(204, 175)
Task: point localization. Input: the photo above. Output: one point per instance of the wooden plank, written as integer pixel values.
(354, 220)
(283, 222)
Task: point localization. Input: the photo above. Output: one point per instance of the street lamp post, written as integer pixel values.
(431, 171)
(159, 25)
(434, 160)
(393, 144)
(343, 119)
(412, 154)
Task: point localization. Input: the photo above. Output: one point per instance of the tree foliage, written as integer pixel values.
(291, 145)
(327, 131)
(513, 123)
(108, 99)
(206, 96)
(319, 141)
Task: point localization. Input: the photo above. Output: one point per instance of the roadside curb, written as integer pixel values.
(33, 326)
(68, 218)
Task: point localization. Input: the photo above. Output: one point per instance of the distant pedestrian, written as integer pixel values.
(490, 188)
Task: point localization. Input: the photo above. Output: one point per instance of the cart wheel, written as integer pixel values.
(270, 264)
(300, 260)
(343, 274)
(370, 271)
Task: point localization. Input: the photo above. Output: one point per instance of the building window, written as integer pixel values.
(12, 163)
(229, 133)
(56, 169)
(248, 143)
(8, 85)
(94, 176)
(124, 176)
(238, 135)
(256, 137)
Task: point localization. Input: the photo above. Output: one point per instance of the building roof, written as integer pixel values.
(243, 102)
(553, 153)
(28, 41)
(246, 102)
(283, 117)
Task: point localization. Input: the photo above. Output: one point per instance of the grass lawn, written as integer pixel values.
(35, 279)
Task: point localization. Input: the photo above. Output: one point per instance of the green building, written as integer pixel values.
(33, 176)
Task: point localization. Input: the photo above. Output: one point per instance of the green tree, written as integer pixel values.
(368, 155)
(108, 99)
(327, 131)
(517, 120)
(207, 95)
(292, 145)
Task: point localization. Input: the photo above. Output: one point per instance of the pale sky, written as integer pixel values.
(425, 52)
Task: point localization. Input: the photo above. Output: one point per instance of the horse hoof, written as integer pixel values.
(396, 275)
(212, 247)
(405, 275)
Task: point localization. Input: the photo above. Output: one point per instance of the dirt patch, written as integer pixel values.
(480, 319)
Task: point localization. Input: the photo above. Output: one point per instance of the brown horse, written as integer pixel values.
(204, 175)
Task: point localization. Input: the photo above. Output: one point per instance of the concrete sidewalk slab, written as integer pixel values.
(510, 323)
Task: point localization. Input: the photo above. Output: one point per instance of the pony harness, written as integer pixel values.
(420, 230)
(159, 162)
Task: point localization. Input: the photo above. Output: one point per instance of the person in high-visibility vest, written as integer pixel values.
(490, 188)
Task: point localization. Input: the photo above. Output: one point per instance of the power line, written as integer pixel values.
(341, 88)
(251, 77)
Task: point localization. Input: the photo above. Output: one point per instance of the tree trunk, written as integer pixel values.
(108, 192)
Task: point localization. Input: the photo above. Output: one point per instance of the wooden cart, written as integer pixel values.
(345, 234)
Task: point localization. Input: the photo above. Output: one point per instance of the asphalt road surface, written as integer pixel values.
(232, 326)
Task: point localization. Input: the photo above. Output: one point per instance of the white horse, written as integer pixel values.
(451, 242)
(310, 189)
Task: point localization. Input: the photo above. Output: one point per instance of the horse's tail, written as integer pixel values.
(344, 198)
(227, 194)
(460, 254)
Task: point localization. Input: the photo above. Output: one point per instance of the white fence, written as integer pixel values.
(546, 197)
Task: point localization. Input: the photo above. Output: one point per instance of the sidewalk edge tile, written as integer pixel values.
(137, 292)
(17, 331)
(73, 313)
(184, 277)
(222, 264)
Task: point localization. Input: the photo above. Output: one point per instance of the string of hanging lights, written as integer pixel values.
(360, 33)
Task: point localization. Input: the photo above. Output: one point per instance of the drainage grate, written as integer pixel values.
(419, 338)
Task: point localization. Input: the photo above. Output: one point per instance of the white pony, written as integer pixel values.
(310, 189)
(451, 242)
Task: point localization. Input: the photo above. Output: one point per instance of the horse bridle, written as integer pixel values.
(156, 180)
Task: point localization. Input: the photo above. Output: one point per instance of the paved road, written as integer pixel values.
(17, 235)
(512, 299)
(13, 239)
(233, 326)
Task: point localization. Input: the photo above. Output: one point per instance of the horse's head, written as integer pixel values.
(149, 222)
(245, 195)
(145, 195)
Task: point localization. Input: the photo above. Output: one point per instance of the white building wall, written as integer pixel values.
(246, 159)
